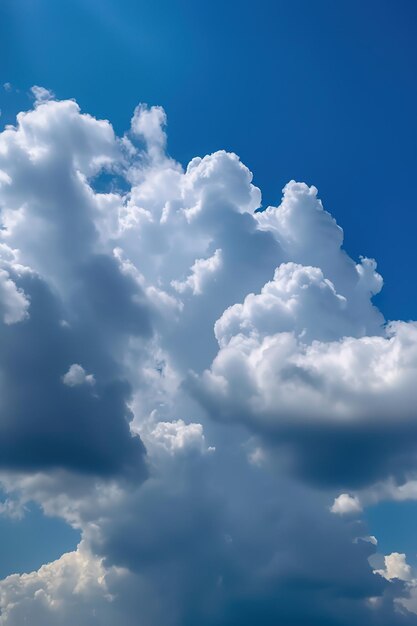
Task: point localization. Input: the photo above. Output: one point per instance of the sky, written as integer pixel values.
(208, 396)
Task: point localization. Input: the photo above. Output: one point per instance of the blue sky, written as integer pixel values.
(25, 542)
(319, 92)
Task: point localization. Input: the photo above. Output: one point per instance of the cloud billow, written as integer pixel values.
(190, 383)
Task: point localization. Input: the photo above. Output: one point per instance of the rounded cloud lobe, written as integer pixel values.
(64, 300)
(187, 380)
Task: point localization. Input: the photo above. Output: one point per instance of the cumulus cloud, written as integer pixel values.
(346, 504)
(148, 123)
(77, 375)
(395, 567)
(201, 271)
(352, 393)
(179, 436)
(13, 301)
(71, 588)
(298, 297)
(186, 380)
(55, 270)
(41, 94)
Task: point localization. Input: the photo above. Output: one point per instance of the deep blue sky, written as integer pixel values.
(322, 91)
(315, 90)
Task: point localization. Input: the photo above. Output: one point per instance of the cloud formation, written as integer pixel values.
(346, 505)
(191, 383)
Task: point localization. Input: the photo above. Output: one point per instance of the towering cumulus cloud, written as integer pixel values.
(204, 390)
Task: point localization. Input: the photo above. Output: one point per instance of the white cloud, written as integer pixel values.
(65, 590)
(298, 298)
(41, 94)
(77, 375)
(396, 566)
(283, 340)
(201, 271)
(149, 123)
(14, 303)
(177, 436)
(346, 504)
(355, 387)
(364, 377)
(309, 235)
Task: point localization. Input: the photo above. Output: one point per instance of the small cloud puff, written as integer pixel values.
(396, 566)
(77, 375)
(346, 505)
(148, 123)
(177, 436)
(41, 94)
